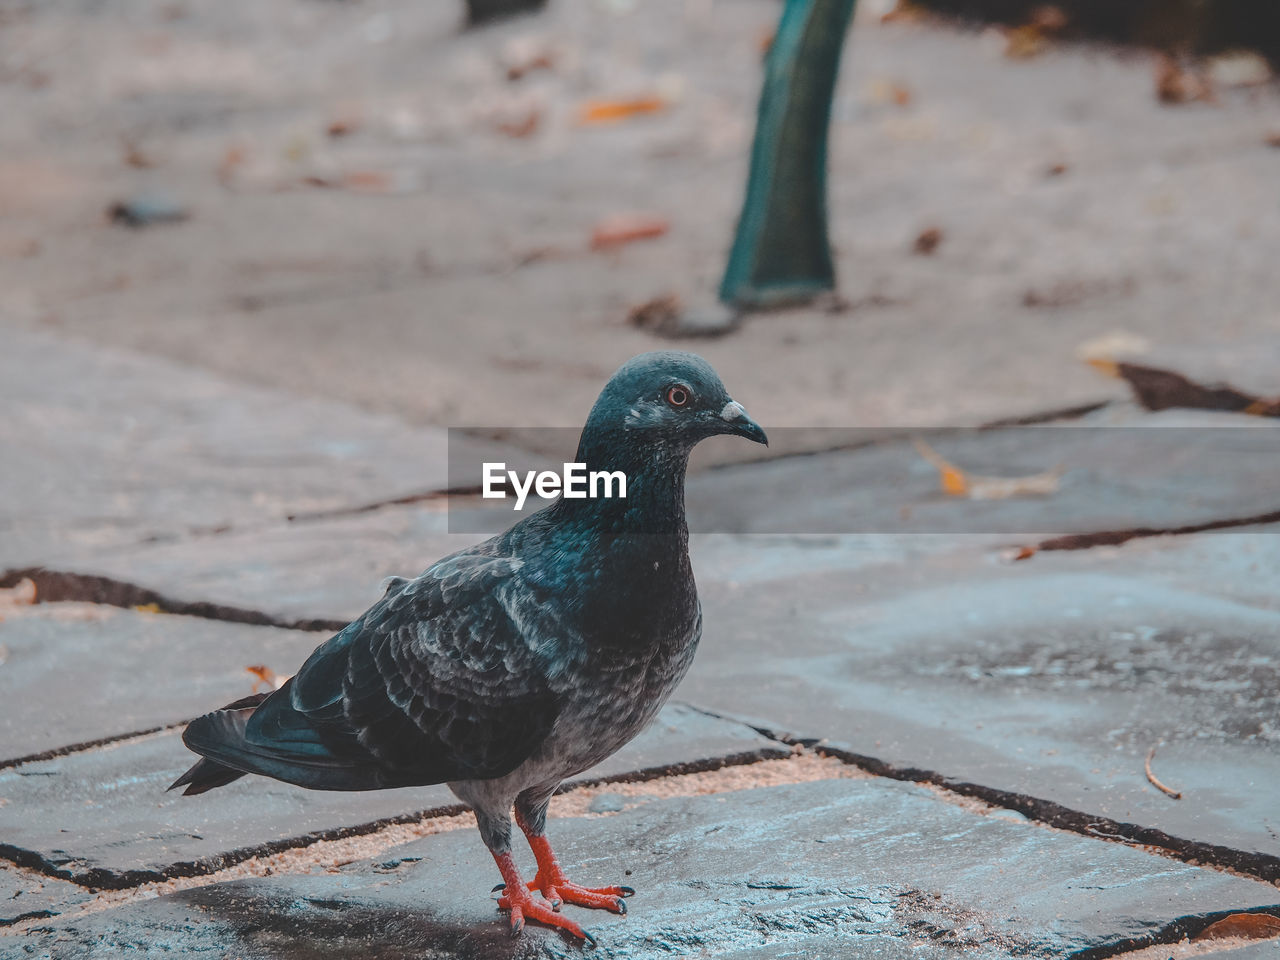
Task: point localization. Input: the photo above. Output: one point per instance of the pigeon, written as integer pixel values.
(506, 668)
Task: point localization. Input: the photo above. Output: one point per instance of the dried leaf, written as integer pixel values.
(369, 181)
(1174, 84)
(890, 91)
(595, 112)
(625, 228)
(660, 315)
(521, 126)
(266, 677)
(147, 607)
(905, 11)
(1022, 43)
(1158, 389)
(21, 594)
(1246, 926)
(928, 240)
(958, 483)
(523, 55)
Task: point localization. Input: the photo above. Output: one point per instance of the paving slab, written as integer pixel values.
(74, 681)
(25, 895)
(865, 868)
(327, 568)
(106, 820)
(1050, 678)
(1165, 470)
(175, 449)
(1120, 471)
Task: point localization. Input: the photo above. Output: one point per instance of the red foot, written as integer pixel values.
(524, 908)
(557, 888)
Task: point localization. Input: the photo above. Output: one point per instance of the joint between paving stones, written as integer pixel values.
(1259, 866)
(1183, 928)
(100, 878)
(59, 586)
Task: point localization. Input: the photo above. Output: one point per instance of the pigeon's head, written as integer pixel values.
(670, 400)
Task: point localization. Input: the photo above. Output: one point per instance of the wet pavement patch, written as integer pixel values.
(859, 868)
(1048, 680)
(107, 821)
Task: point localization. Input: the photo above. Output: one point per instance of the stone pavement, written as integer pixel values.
(985, 720)
(918, 725)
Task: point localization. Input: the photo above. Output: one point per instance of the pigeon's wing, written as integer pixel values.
(447, 678)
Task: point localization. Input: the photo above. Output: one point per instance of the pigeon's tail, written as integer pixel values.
(221, 725)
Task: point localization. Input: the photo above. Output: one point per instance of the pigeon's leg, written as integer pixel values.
(531, 815)
(496, 832)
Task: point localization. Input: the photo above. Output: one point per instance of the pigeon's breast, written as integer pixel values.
(613, 697)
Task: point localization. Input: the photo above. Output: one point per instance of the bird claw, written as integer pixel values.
(526, 909)
(602, 898)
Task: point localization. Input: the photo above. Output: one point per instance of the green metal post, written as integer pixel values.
(780, 252)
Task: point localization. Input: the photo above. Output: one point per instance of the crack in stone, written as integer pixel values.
(1260, 866)
(1111, 538)
(1183, 928)
(86, 745)
(57, 586)
(103, 878)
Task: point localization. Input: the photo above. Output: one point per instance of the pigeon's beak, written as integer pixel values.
(739, 424)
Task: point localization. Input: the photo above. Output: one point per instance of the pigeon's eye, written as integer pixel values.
(678, 396)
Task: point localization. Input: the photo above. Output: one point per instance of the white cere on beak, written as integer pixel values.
(733, 410)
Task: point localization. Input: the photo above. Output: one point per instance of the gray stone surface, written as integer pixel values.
(104, 815)
(68, 681)
(457, 286)
(1163, 471)
(1051, 677)
(863, 868)
(26, 895)
(99, 448)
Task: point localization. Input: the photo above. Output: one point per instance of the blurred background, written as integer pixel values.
(375, 203)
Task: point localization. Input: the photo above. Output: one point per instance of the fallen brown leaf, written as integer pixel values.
(928, 240)
(661, 315)
(1246, 926)
(369, 181)
(595, 112)
(958, 483)
(1174, 84)
(521, 126)
(135, 156)
(21, 594)
(265, 677)
(905, 11)
(1022, 43)
(624, 228)
(342, 127)
(1158, 389)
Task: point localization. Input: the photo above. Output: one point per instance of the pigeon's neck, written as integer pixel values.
(654, 483)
